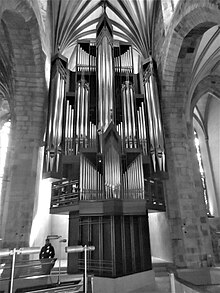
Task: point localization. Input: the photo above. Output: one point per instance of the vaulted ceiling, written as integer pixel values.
(132, 21)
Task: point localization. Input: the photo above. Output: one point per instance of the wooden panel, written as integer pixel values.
(72, 258)
(118, 246)
(95, 238)
(146, 244)
(128, 246)
(137, 245)
(107, 244)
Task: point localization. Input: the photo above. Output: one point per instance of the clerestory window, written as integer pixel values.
(202, 172)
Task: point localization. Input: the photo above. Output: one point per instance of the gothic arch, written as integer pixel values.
(189, 23)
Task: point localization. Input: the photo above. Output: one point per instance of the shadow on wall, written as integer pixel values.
(160, 236)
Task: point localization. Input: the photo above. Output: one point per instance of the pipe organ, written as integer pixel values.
(107, 136)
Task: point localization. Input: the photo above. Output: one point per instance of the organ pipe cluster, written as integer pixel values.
(129, 116)
(85, 61)
(112, 173)
(142, 128)
(91, 181)
(133, 180)
(69, 134)
(82, 115)
(156, 137)
(123, 63)
(54, 131)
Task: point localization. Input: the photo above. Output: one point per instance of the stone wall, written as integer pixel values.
(28, 117)
(185, 205)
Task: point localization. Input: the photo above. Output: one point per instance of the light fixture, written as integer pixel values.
(53, 237)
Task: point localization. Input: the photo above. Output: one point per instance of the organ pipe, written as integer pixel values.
(105, 80)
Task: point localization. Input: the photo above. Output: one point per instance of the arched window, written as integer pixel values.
(202, 173)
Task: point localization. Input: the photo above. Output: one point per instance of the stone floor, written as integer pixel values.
(162, 286)
(162, 279)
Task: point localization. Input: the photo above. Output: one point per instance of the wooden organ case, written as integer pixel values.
(98, 145)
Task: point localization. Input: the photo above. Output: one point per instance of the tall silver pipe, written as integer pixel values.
(105, 82)
(66, 127)
(142, 125)
(86, 111)
(60, 121)
(90, 132)
(144, 129)
(82, 110)
(71, 131)
(101, 194)
(125, 116)
(133, 115)
(78, 109)
(139, 127)
(98, 186)
(150, 117)
(69, 128)
(81, 178)
(127, 93)
(78, 57)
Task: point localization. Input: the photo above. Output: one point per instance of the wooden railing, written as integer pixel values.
(25, 268)
(66, 193)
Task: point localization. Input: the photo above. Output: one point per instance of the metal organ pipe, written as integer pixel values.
(67, 128)
(144, 129)
(71, 131)
(129, 115)
(105, 83)
(81, 115)
(125, 116)
(133, 115)
(86, 112)
(60, 119)
(128, 101)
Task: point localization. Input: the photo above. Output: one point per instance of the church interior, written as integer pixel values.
(110, 135)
